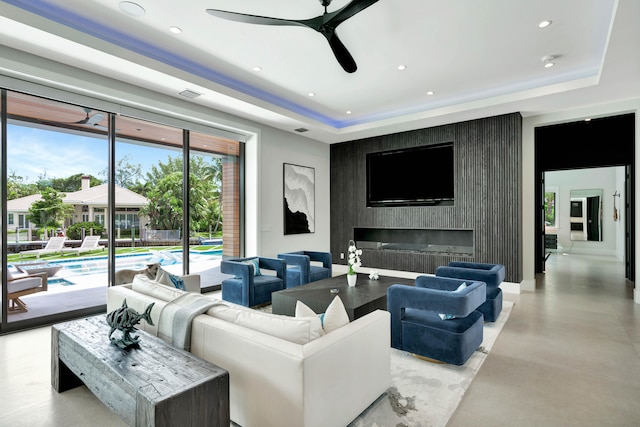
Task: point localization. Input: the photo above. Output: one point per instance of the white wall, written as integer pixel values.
(275, 148)
(562, 182)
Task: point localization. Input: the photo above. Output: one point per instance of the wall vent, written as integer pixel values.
(190, 94)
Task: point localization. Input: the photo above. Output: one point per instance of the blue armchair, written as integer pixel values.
(249, 287)
(436, 320)
(491, 274)
(301, 270)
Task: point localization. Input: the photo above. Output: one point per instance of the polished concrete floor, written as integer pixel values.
(569, 355)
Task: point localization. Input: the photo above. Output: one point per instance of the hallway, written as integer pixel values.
(568, 356)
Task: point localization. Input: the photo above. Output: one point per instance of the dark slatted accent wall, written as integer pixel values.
(488, 162)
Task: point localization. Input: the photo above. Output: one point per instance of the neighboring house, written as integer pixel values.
(90, 204)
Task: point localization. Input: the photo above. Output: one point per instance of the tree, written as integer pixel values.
(127, 175)
(163, 188)
(72, 183)
(165, 203)
(50, 210)
(17, 187)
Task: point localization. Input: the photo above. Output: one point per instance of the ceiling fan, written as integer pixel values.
(89, 119)
(325, 24)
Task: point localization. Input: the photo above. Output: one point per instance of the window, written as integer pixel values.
(10, 219)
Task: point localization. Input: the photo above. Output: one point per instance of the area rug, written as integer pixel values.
(426, 394)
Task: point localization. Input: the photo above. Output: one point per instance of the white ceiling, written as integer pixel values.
(481, 58)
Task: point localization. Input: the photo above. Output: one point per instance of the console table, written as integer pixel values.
(367, 296)
(155, 384)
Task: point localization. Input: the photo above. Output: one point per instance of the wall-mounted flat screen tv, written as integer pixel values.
(415, 176)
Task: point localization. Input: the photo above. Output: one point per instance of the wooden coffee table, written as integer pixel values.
(367, 296)
(155, 384)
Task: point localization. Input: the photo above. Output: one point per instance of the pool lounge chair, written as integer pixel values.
(20, 286)
(89, 243)
(54, 245)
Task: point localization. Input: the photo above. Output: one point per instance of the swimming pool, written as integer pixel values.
(138, 261)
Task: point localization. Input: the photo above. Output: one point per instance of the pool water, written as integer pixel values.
(97, 265)
(59, 281)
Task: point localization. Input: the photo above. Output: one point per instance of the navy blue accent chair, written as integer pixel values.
(247, 289)
(491, 274)
(304, 266)
(416, 325)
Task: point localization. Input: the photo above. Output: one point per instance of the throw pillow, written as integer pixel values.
(256, 266)
(166, 278)
(303, 310)
(334, 317)
(450, 316)
(146, 286)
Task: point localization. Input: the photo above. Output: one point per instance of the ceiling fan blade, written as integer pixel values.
(254, 19)
(342, 54)
(353, 8)
(96, 118)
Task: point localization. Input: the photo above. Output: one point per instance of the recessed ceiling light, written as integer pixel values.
(402, 67)
(548, 61)
(348, 111)
(312, 94)
(257, 68)
(132, 9)
(175, 30)
(544, 24)
(430, 92)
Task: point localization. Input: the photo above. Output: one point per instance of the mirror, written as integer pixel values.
(586, 214)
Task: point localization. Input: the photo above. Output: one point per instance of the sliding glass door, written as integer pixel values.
(90, 198)
(55, 155)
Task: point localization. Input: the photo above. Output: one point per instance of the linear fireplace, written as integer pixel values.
(422, 240)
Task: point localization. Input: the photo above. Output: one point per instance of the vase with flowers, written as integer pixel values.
(354, 262)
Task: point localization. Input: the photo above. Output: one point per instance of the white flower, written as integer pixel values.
(354, 257)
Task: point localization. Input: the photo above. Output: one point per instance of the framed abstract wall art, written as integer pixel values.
(299, 184)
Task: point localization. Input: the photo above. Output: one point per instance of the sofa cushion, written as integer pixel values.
(17, 285)
(150, 287)
(296, 330)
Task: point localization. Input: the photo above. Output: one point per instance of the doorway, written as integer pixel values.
(581, 212)
(597, 143)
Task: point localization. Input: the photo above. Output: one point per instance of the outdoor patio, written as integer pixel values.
(89, 290)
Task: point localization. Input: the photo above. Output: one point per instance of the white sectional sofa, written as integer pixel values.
(282, 370)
